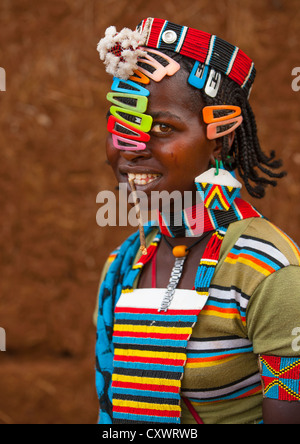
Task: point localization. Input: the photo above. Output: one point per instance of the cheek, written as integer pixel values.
(112, 153)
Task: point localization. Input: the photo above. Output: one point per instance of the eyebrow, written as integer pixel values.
(164, 114)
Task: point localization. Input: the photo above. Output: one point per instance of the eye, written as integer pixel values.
(161, 128)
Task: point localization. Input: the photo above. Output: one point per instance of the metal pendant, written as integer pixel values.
(174, 280)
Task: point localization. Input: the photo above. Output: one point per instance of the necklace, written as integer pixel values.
(180, 252)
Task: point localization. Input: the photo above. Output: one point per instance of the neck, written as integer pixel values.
(188, 222)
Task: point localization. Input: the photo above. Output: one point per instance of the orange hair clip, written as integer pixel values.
(208, 113)
(140, 78)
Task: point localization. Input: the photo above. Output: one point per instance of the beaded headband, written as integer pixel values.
(201, 46)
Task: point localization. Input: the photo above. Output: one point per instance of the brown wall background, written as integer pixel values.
(52, 131)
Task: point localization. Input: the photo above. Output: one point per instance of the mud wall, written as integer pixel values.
(52, 131)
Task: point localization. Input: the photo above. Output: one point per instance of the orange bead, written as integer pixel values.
(180, 251)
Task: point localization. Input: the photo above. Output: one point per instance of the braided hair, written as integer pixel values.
(245, 153)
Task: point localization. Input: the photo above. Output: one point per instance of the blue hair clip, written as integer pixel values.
(127, 86)
(198, 75)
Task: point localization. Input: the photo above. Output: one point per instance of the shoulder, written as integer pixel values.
(258, 238)
(253, 250)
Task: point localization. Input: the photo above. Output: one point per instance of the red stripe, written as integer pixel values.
(133, 334)
(174, 362)
(148, 387)
(150, 412)
(196, 45)
(155, 311)
(241, 68)
(246, 208)
(156, 28)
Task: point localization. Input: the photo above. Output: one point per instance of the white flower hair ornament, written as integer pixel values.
(120, 51)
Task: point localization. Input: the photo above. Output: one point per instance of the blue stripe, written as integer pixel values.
(262, 258)
(146, 418)
(147, 366)
(161, 33)
(156, 317)
(225, 352)
(151, 341)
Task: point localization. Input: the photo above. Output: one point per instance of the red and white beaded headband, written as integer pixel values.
(205, 48)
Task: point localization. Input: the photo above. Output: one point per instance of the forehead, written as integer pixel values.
(174, 93)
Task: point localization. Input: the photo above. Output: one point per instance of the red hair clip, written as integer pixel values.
(123, 129)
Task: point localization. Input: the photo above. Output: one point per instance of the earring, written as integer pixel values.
(217, 188)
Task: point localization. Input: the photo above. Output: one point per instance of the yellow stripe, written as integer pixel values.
(149, 354)
(151, 329)
(207, 262)
(291, 244)
(208, 363)
(220, 315)
(225, 204)
(145, 405)
(249, 263)
(145, 380)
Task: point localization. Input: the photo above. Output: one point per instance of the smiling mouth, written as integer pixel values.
(143, 179)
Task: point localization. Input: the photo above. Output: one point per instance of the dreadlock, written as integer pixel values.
(245, 154)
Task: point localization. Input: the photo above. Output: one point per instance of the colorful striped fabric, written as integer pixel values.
(150, 354)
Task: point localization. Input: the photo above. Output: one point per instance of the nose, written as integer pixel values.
(133, 155)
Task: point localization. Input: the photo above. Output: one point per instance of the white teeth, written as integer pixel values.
(142, 179)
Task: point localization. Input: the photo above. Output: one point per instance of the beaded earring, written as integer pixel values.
(217, 188)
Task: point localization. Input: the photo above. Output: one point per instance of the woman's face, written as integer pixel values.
(178, 149)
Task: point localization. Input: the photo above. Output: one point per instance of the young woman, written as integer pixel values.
(200, 324)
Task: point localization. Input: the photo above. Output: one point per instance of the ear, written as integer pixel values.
(216, 153)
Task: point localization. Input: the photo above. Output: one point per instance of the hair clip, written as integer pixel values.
(120, 128)
(126, 144)
(160, 70)
(214, 130)
(127, 86)
(141, 121)
(208, 113)
(133, 102)
(198, 75)
(140, 78)
(213, 83)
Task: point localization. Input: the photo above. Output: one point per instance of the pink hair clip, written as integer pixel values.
(212, 128)
(126, 144)
(160, 71)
